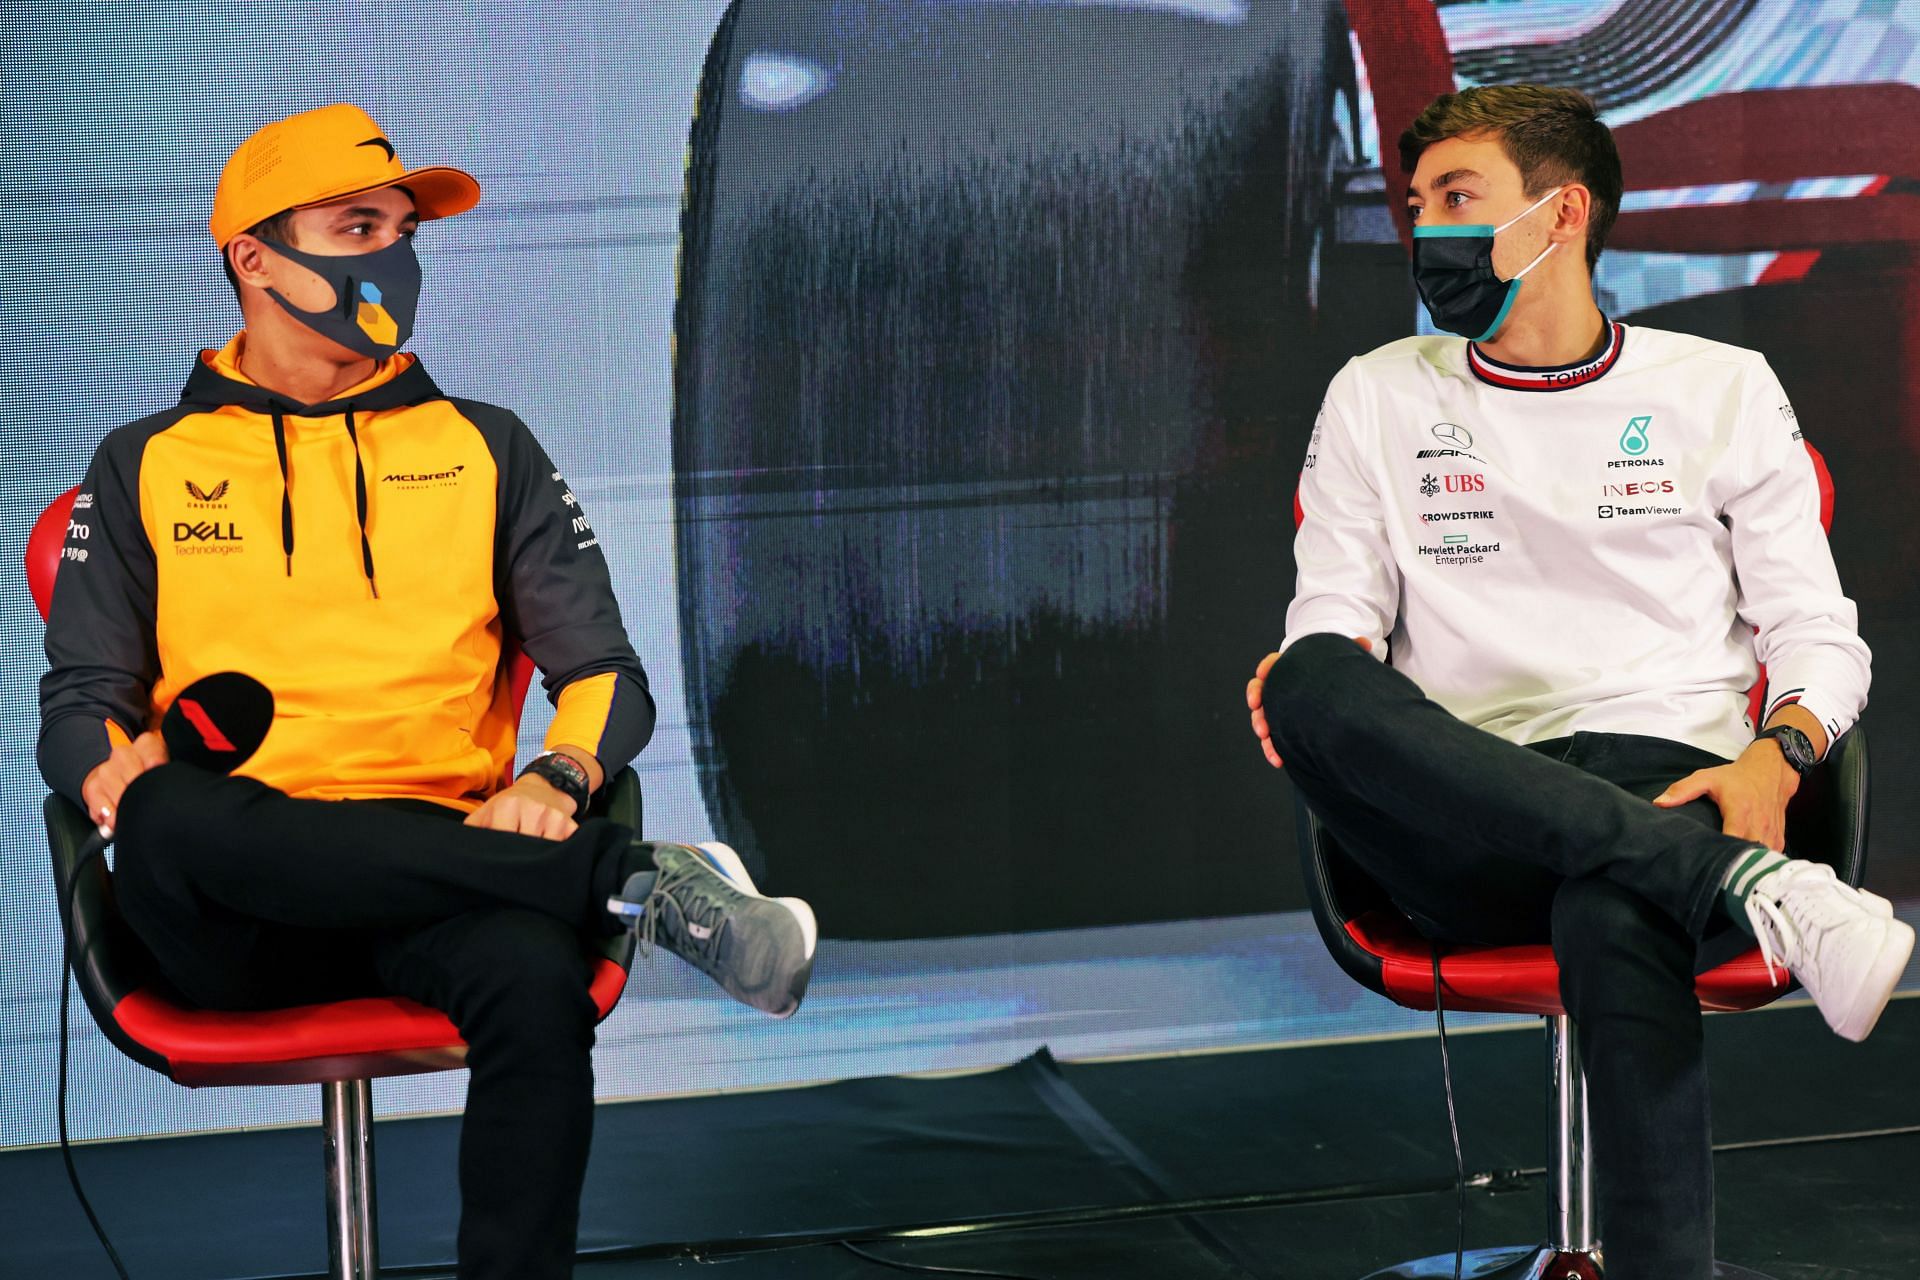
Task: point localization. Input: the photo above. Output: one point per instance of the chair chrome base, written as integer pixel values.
(1527, 1262)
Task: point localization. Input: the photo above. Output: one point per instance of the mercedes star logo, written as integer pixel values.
(1448, 434)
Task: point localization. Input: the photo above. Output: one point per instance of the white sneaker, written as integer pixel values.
(1842, 943)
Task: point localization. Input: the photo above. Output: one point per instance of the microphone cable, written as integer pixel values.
(96, 846)
(1453, 1123)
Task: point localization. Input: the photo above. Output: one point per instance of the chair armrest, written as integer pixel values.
(1338, 893)
(1827, 819)
(109, 962)
(620, 802)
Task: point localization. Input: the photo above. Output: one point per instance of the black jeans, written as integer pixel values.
(249, 899)
(1483, 841)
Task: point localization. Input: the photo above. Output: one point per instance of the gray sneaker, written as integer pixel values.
(701, 905)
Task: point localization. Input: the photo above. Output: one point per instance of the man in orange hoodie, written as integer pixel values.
(316, 513)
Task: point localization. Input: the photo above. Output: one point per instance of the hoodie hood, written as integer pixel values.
(399, 380)
(216, 380)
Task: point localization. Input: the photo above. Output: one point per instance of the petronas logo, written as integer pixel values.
(1633, 441)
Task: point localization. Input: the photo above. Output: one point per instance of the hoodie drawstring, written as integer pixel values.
(360, 506)
(286, 497)
(359, 497)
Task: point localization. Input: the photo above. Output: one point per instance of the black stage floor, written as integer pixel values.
(1317, 1161)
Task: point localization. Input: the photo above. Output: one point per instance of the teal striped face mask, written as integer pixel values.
(1453, 270)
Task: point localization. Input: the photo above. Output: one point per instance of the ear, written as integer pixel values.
(1572, 208)
(248, 258)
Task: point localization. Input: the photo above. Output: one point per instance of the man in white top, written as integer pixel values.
(1538, 566)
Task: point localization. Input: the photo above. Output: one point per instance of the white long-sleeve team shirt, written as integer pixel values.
(1605, 547)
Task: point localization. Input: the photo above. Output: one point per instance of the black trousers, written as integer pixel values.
(249, 899)
(1483, 841)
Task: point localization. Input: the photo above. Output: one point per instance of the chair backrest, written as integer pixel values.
(46, 547)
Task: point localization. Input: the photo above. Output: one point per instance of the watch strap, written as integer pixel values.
(1795, 747)
(564, 774)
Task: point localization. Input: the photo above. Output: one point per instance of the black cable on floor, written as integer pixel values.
(66, 1149)
(1453, 1125)
(923, 1268)
(1043, 1074)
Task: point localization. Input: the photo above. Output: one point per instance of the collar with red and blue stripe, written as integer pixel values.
(1563, 377)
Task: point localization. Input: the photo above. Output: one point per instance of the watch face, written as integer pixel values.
(567, 768)
(563, 773)
(1794, 745)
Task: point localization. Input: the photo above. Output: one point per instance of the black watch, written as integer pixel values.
(565, 775)
(1796, 746)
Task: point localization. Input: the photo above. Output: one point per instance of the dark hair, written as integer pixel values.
(1553, 136)
(278, 227)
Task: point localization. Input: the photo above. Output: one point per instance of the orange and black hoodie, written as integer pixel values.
(366, 559)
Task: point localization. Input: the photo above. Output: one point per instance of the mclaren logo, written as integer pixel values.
(405, 478)
(379, 142)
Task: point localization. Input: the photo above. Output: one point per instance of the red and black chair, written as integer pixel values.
(1378, 947)
(340, 1046)
(1381, 949)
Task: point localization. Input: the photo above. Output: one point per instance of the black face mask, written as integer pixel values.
(378, 294)
(1453, 270)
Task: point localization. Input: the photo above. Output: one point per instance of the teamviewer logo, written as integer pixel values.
(1606, 511)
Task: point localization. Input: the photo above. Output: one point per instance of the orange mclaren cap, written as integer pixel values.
(321, 155)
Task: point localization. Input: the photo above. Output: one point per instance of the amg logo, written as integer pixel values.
(422, 477)
(1448, 453)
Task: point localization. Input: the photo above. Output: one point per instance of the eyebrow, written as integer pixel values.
(369, 211)
(1447, 179)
